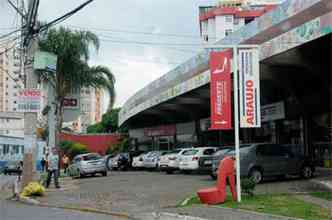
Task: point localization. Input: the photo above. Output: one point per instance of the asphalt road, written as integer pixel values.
(15, 211)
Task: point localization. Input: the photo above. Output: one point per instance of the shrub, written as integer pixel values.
(72, 149)
(77, 149)
(248, 186)
(33, 189)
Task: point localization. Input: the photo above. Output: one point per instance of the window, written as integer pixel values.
(190, 152)
(228, 32)
(208, 152)
(236, 21)
(5, 149)
(269, 150)
(229, 18)
(16, 149)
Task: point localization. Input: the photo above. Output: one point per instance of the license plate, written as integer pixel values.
(208, 162)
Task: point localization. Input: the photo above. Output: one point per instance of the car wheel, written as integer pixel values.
(81, 174)
(306, 172)
(104, 173)
(256, 175)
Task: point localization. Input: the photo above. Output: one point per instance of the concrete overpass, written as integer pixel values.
(295, 53)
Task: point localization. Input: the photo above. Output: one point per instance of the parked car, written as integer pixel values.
(218, 156)
(205, 163)
(170, 162)
(13, 167)
(108, 161)
(89, 164)
(121, 162)
(152, 159)
(189, 160)
(138, 161)
(264, 160)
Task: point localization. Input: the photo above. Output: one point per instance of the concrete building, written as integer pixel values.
(229, 16)
(10, 80)
(295, 82)
(12, 124)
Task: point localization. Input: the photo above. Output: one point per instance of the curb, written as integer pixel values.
(258, 213)
(166, 216)
(322, 184)
(33, 202)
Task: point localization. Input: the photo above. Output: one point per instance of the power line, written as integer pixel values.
(65, 16)
(138, 32)
(152, 43)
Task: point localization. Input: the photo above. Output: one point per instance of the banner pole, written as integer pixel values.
(236, 122)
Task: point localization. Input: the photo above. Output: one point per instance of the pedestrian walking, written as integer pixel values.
(53, 168)
(43, 164)
(65, 161)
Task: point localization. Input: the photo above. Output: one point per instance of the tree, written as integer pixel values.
(108, 124)
(73, 71)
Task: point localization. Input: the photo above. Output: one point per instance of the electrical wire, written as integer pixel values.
(138, 32)
(65, 16)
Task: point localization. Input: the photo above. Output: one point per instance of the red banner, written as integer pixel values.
(220, 90)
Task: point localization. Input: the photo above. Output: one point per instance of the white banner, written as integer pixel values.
(250, 113)
(29, 100)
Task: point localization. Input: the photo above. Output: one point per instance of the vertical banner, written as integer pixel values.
(250, 113)
(220, 90)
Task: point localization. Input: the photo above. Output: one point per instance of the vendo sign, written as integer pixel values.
(29, 100)
(250, 114)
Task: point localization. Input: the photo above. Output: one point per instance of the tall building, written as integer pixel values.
(10, 80)
(228, 16)
(99, 105)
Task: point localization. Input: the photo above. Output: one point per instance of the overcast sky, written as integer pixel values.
(129, 31)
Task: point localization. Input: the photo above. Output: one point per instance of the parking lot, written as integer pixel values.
(146, 191)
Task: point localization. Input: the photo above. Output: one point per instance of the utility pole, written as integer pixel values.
(31, 82)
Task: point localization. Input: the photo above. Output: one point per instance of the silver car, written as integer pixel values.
(89, 164)
(263, 159)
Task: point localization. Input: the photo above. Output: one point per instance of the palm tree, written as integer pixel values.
(73, 71)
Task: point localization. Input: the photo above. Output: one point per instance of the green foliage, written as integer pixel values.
(72, 149)
(248, 186)
(108, 124)
(109, 150)
(73, 71)
(276, 204)
(123, 146)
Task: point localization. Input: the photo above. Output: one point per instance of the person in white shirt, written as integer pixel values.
(53, 168)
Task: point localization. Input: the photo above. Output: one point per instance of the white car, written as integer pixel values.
(138, 161)
(170, 162)
(189, 160)
(152, 159)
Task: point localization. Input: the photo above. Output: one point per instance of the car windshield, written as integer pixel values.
(244, 149)
(221, 152)
(190, 152)
(91, 157)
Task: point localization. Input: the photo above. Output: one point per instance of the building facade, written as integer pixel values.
(229, 16)
(10, 80)
(295, 82)
(12, 124)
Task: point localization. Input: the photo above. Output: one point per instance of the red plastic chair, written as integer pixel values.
(217, 194)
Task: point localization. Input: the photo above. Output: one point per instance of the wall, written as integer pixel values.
(95, 143)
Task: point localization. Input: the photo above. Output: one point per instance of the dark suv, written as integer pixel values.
(263, 159)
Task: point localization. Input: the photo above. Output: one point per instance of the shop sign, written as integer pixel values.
(250, 115)
(164, 130)
(220, 90)
(70, 103)
(274, 111)
(45, 61)
(29, 100)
